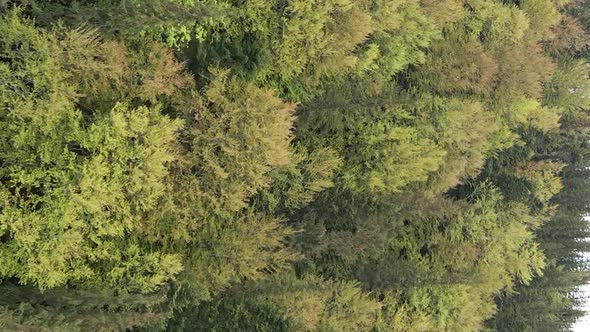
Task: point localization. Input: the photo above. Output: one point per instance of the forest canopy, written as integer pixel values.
(293, 165)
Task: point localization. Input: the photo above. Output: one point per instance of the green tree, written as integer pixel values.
(61, 309)
(285, 303)
(382, 149)
(61, 173)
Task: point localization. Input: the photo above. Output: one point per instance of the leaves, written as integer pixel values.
(372, 165)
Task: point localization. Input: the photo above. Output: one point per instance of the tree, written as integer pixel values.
(174, 22)
(61, 309)
(286, 303)
(292, 165)
(54, 227)
(457, 67)
(382, 150)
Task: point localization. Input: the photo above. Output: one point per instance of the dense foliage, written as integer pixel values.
(293, 165)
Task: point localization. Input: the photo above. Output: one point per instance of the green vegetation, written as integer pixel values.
(293, 165)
